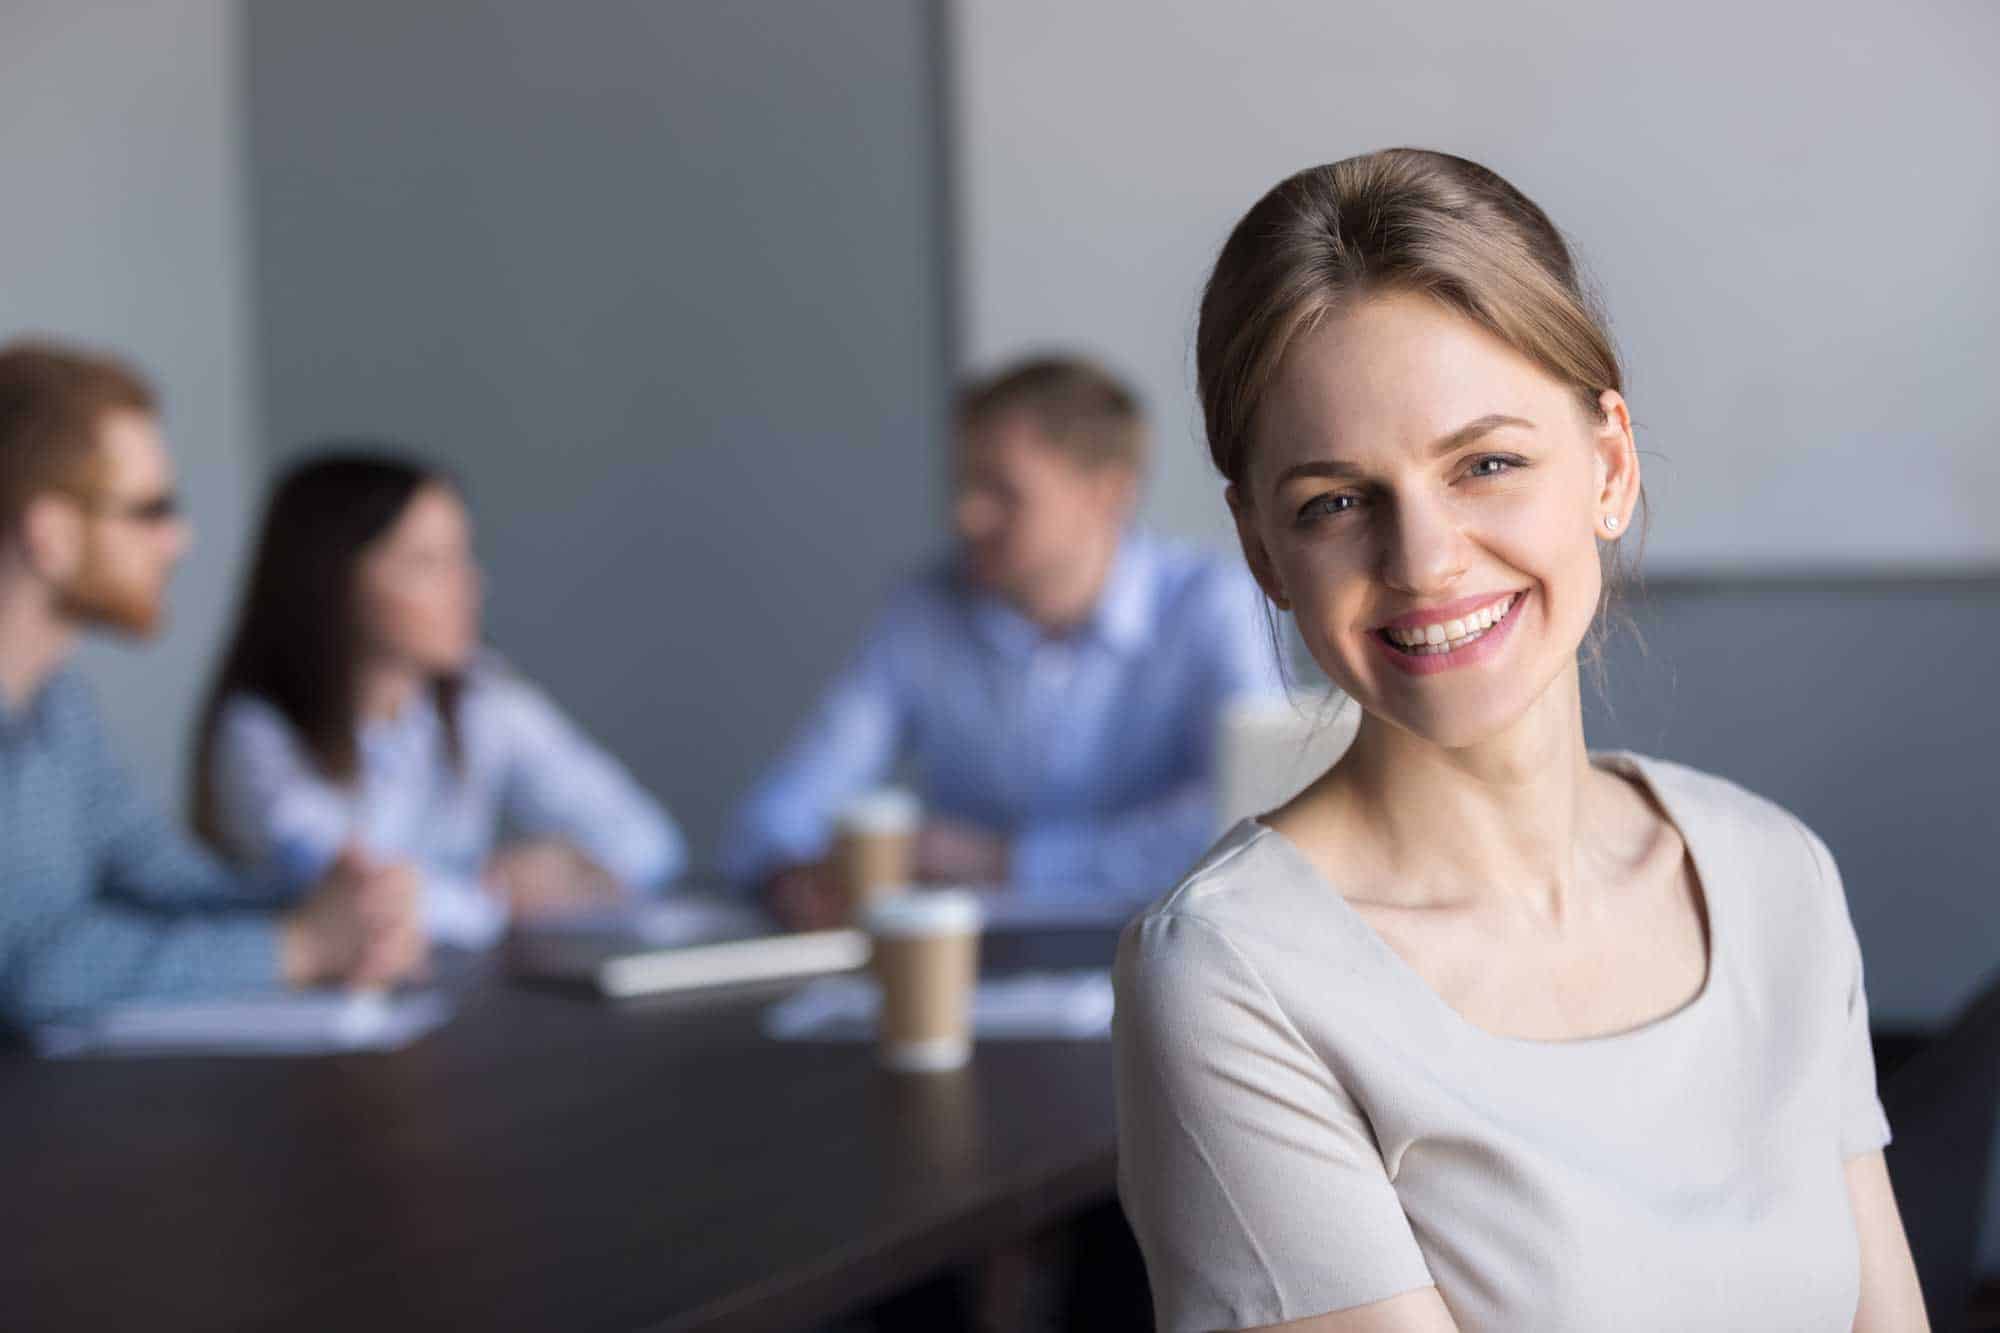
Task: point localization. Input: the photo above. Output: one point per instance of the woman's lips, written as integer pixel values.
(1446, 611)
(1479, 646)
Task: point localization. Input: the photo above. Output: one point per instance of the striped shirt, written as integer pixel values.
(103, 898)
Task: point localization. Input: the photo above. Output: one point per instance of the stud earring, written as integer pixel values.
(1611, 522)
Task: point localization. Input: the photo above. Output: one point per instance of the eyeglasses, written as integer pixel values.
(153, 511)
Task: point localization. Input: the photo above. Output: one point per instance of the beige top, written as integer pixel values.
(1304, 1125)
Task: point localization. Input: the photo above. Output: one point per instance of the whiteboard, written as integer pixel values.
(1789, 210)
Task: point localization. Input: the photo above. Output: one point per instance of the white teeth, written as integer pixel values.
(1453, 634)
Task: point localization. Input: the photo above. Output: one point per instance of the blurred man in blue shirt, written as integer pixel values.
(101, 898)
(1052, 689)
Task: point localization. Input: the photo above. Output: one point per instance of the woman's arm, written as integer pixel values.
(560, 784)
(1412, 1312)
(1252, 1177)
(1891, 1300)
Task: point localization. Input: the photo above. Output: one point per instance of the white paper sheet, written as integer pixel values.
(665, 924)
(315, 1023)
(1060, 1005)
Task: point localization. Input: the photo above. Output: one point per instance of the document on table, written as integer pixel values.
(1073, 1006)
(663, 924)
(314, 1023)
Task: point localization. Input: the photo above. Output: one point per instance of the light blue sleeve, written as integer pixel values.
(275, 812)
(279, 816)
(848, 744)
(559, 783)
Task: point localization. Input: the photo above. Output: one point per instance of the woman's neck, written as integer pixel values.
(385, 691)
(1510, 818)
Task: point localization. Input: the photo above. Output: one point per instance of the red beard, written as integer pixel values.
(95, 597)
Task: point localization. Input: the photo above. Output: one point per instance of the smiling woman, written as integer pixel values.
(1480, 1030)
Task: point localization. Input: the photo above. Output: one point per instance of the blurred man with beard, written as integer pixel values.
(101, 898)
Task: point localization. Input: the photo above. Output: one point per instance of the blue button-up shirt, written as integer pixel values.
(102, 898)
(1090, 751)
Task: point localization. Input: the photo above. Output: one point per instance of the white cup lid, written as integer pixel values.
(884, 810)
(926, 912)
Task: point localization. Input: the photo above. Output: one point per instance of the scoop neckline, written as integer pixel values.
(1672, 1020)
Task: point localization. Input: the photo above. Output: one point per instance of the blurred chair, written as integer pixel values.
(1270, 747)
(1944, 1109)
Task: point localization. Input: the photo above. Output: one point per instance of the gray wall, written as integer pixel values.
(120, 217)
(1788, 206)
(660, 281)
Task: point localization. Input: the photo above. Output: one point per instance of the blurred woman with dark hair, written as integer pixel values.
(355, 706)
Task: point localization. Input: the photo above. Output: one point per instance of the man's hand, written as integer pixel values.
(549, 876)
(359, 926)
(950, 851)
(807, 897)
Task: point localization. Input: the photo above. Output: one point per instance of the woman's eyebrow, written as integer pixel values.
(1472, 430)
(1458, 439)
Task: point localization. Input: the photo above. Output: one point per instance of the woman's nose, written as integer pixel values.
(1423, 551)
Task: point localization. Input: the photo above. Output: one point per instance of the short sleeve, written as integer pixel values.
(1251, 1178)
(1864, 1128)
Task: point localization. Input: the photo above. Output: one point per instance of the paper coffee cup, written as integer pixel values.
(927, 960)
(875, 840)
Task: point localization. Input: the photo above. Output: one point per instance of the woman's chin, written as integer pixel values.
(453, 661)
(1450, 724)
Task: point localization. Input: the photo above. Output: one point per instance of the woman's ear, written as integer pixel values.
(1254, 552)
(1616, 464)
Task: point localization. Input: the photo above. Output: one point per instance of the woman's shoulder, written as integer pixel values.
(246, 719)
(490, 672)
(1742, 842)
(1229, 884)
(256, 752)
(505, 715)
(492, 692)
(1228, 917)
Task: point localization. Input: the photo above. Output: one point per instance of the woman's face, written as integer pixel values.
(418, 587)
(1412, 476)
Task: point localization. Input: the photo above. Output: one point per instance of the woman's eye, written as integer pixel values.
(1492, 465)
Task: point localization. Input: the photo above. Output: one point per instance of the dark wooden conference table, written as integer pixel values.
(545, 1161)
